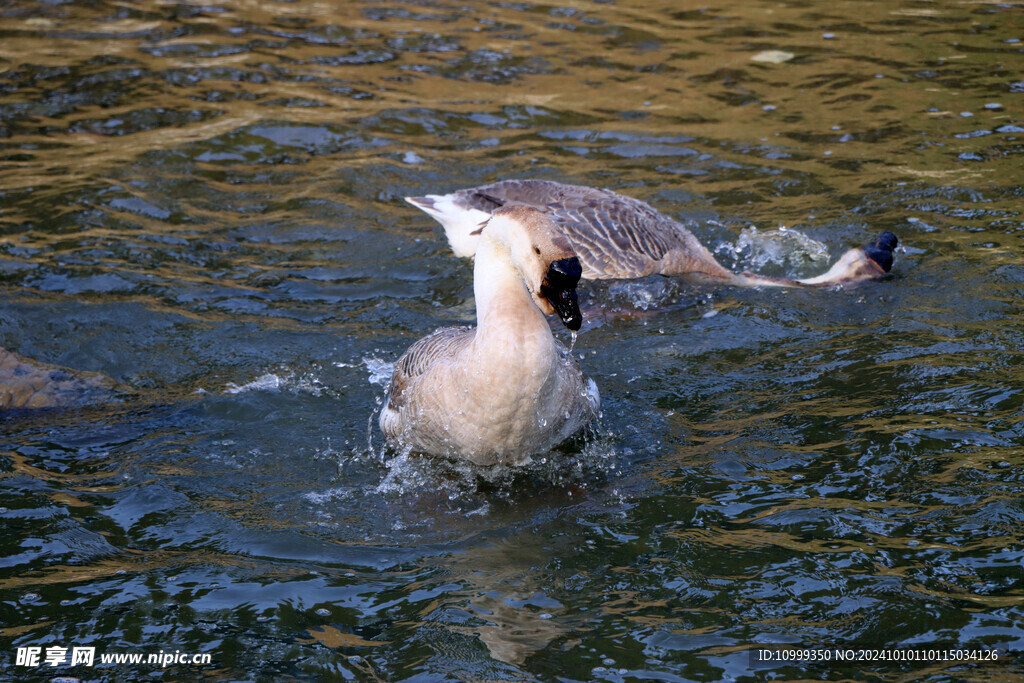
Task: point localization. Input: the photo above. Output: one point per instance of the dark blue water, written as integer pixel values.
(203, 203)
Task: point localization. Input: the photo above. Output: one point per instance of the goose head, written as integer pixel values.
(544, 257)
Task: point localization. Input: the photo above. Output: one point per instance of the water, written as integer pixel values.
(203, 203)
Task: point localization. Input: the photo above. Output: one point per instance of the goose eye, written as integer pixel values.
(536, 250)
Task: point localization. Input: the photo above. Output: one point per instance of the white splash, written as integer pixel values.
(790, 249)
(327, 496)
(273, 382)
(380, 371)
(644, 295)
(268, 382)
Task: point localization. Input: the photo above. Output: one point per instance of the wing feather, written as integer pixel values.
(435, 348)
(615, 236)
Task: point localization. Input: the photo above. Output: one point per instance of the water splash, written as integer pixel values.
(380, 370)
(287, 380)
(644, 295)
(371, 423)
(268, 382)
(413, 474)
(785, 248)
(320, 498)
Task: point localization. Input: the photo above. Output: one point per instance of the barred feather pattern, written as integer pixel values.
(445, 343)
(614, 236)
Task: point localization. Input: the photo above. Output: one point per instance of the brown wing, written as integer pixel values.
(536, 193)
(614, 236)
(422, 355)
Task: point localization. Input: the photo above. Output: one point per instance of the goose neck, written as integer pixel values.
(503, 302)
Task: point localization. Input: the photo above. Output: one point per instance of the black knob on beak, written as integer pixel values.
(880, 250)
(559, 288)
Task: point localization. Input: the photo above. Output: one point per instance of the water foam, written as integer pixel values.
(380, 370)
(785, 248)
(287, 380)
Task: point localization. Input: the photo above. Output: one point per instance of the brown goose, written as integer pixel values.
(618, 237)
(505, 390)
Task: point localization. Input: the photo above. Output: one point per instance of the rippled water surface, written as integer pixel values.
(203, 202)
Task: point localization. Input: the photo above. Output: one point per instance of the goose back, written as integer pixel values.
(619, 237)
(614, 236)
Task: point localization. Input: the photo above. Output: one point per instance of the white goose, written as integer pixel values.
(506, 390)
(619, 237)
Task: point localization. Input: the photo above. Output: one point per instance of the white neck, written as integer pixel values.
(504, 305)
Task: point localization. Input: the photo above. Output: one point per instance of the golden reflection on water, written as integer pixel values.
(130, 561)
(332, 637)
(76, 482)
(625, 96)
(684, 72)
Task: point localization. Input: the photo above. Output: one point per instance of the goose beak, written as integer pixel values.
(559, 288)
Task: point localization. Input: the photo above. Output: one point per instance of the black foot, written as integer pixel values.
(880, 250)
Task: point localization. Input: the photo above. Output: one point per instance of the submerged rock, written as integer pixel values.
(29, 384)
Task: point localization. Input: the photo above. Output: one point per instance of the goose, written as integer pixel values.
(618, 237)
(506, 390)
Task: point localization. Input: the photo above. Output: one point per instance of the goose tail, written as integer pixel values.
(461, 223)
(425, 204)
